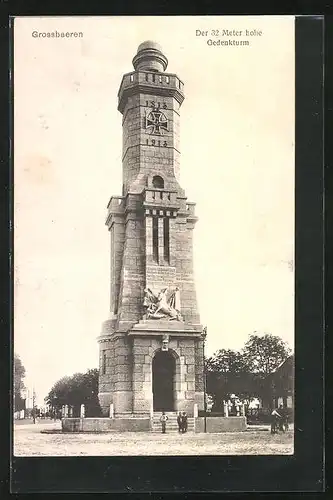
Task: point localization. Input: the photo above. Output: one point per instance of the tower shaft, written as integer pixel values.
(151, 224)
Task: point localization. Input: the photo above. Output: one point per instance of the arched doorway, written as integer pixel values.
(164, 371)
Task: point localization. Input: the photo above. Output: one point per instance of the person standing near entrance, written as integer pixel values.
(184, 422)
(179, 421)
(163, 420)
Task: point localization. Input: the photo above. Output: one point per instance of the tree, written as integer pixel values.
(246, 372)
(58, 395)
(19, 387)
(91, 392)
(227, 373)
(80, 388)
(263, 354)
(227, 361)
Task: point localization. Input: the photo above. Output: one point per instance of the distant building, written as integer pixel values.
(280, 385)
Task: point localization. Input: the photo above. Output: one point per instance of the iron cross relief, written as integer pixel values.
(157, 122)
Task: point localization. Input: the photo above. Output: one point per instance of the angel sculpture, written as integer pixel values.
(161, 306)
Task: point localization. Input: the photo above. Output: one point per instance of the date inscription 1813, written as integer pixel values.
(156, 105)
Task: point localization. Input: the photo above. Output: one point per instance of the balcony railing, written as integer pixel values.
(160, 196)
(151, 78)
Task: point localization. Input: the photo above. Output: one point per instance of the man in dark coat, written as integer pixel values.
(184, 422)
(163, 420)
(179, 422)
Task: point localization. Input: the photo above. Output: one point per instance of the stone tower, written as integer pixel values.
(151, 347)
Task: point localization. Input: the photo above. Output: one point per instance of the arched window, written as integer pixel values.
(158, 182)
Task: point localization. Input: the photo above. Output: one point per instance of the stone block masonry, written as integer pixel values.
(150, 363)
(105, 425)
(99, 425)
(221, 424)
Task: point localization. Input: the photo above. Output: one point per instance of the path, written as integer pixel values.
(29, 441)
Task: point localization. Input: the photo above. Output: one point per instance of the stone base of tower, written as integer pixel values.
(155, 366)
(132, 424)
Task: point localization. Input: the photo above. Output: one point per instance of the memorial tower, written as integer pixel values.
(151, 347)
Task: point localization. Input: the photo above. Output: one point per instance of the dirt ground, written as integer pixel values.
(29, 441)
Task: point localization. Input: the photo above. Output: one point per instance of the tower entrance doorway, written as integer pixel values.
(164, 371)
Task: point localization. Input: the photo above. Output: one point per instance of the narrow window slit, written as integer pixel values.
(155, 239)
(166, 235)
(104, 363)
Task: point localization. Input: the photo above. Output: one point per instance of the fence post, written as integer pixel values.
(111, 412)
(82, 411)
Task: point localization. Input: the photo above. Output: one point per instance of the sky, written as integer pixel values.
(237, 164)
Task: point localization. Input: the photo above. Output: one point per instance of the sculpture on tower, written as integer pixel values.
(162, 305)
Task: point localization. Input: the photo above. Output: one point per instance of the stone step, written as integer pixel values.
(169, 415)
(159, 427)
(175, 429)
(173, 421)
(171, 429)
(159, 431)
(171, 424)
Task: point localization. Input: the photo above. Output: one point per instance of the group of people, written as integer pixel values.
(279, 420)
(181, 421)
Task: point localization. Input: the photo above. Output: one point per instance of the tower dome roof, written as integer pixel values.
(149, 57)
(149, 44)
